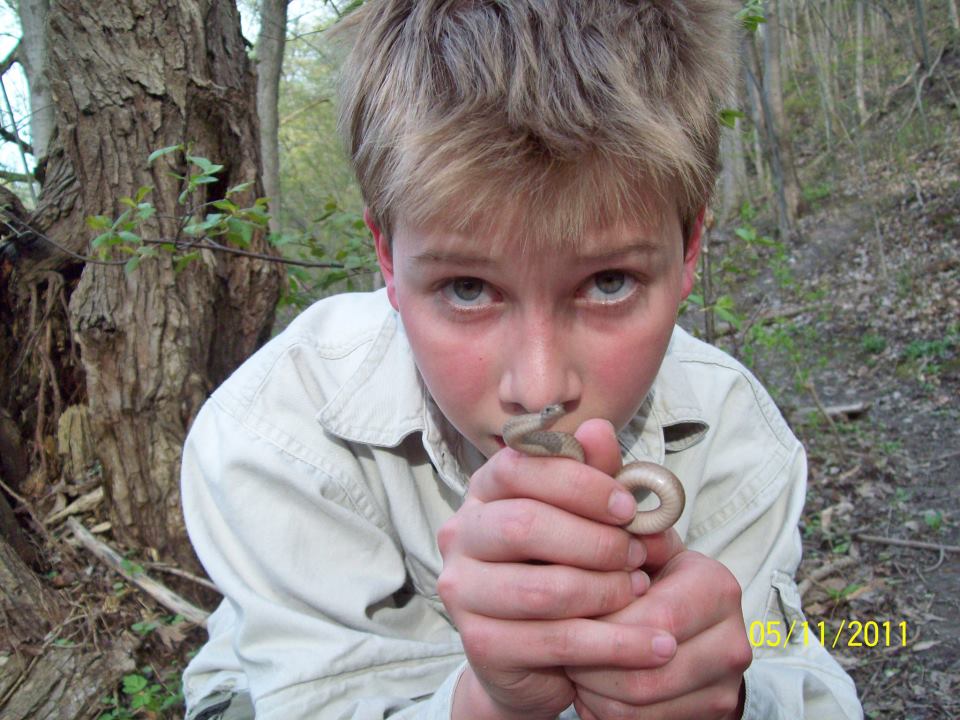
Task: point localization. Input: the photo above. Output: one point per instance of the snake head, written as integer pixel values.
(550, 414)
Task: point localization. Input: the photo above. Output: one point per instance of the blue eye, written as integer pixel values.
(466, 291)
(610, 286)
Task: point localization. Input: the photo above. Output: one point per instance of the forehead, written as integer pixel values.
(431, 245)
(515, 229)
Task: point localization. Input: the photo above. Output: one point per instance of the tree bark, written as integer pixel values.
(33, 60)
(778, 124)
(269, 51)
(42, 679)
(140, 350)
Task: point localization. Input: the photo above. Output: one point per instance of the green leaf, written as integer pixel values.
(105, 239)
(226, 205)
(181, 262)
(205, 165)
(161, 152)
(239, 232)
(133, 684)
(238, 188)
(132, 264)
(99, 222)
(201, 179)
(130, 566)
(729, 118)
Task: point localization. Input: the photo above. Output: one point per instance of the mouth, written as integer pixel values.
(499, 440)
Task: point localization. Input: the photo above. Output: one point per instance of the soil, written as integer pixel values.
(863, 312)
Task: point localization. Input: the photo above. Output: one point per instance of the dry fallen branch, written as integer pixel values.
(82, 504)
(907, 543)
(824, 572)
(154, 589)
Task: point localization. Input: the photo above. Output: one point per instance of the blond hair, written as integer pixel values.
(564, 113)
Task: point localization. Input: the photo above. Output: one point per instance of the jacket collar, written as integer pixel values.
(385, 400)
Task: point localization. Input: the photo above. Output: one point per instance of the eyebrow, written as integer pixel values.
(637, 247)
(455, 258)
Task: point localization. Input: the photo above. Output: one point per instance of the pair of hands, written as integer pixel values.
(555, 605)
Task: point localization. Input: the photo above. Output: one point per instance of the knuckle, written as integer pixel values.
(560, 643)
(741, 655)
(729, 591)
(516, 524)
(610, 549)
(541, 598)
(478, 643)
(723, 702)
(447, 534)
(448, 587)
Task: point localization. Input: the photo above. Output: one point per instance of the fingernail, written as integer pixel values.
(640, 581)
(664, 645)
(636, 553)
(622, 505)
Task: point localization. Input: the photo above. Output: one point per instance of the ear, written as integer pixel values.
(691, 253)
(384, 257)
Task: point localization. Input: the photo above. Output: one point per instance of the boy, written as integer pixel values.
(535, 173)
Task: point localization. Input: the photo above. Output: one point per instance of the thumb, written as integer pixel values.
(600, 446)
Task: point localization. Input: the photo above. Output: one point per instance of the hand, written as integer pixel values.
(698, 600)
(521, 622)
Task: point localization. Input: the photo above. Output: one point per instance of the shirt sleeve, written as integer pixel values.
(755, 533)
(318, 619)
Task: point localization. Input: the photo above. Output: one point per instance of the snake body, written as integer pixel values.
(528, 434)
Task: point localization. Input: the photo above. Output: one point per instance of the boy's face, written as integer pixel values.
(496, 332)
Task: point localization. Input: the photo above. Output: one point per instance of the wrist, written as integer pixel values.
(471, 701)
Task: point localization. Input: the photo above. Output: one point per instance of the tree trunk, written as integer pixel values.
(921, 17)
(821, 70)
(33, 59)
(778, 123)
(858, 70)
(140, 350)
(269, 51)
(733, 175)
(42, 678)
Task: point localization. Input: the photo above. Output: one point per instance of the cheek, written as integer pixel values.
(454, 365)
(626, 367)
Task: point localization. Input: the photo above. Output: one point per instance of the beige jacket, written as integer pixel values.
(315, 480)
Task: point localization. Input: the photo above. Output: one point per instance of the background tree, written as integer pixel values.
(271, 42)
(133, 355)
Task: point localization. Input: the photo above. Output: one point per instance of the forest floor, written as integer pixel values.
(866, 314)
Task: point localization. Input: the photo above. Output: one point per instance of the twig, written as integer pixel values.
(154, 589)
(824, 572)
(907, 543)
(812, 389)
(184, 574)
(80, 505)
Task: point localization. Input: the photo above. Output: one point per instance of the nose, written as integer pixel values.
(539, 368)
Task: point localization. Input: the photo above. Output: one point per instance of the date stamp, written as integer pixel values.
(846, 634)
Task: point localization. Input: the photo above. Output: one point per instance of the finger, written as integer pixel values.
(717, 657)
(677, 602)
(561, 482)
(569, 643)
(713, 703)
(661, 548)
(516, 591)
(522, 530)
(600, 446)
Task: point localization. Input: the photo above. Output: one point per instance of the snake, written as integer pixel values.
(529, 434)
